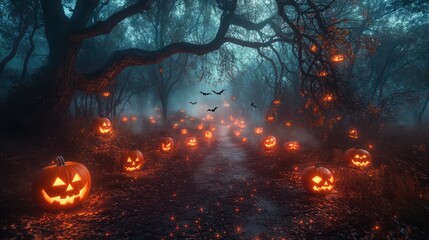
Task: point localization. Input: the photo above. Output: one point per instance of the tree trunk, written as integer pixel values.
(419, 120)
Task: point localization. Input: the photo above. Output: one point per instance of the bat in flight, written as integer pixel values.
(205, 94)
(218, 93)
(193, 103)
(253, 105)
(212, 110)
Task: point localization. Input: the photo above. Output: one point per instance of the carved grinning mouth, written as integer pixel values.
(102, 130)
(133, 168)
(360, 164)
(65, 200)
(323, 188)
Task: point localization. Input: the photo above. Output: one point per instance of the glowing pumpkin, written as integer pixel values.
(166, 144)
(328, 97)
(288, 124)
(337, 58)
(276, 102)
(133, 161)
(323, 74)
(244, 139)
(269, 143)
(313, 48)
(105, 94)
(124, 119)
(237, 133)
(102, 126)
(353, 133)
(270, 118)
(133, 118)
(358, 157)
(62, 186)
(184, 131)
(317, 180)
(200, 126)
(292, 146)
(191, 142)
(208, 135)
(258, 130)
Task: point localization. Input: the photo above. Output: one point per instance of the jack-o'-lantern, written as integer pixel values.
(102, 126)
(317, 180)
(337, 58)
(244, 139)
(288, 124)
(133, 161)
(258, 130)
(276, 101)
(105, 94)
(133, 118)
(182, 120)
(191, 142)
(166, 144)
(313, 48)
(237, 133)
(62, 186)
(328, 97)
(200, 126)
(353, 133)
(323, 74)
(292, 146)
(124, 119)
(270, 118)
(184, 131)
(358, 157)
(208, 135)
(269, 143)
(175, 125)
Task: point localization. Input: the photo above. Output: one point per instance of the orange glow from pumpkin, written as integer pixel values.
(258, 130)
(244, 139)
(106, 94)
(124, 119)
(353, 133)
(191, 142)
(323, 74)
(288, 124)
(208, 135)
(105, 128)
(270, 118)
(313, 48)
(276, 102)
(237, 133)
(184, 131)
(292, 146)
(337, 58)
(269, 143)
(328, 97)
(200, 126)
(67, 199)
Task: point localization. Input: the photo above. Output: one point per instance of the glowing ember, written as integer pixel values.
(328, 97)
(106, 94)
(323, 74)
(313, 48)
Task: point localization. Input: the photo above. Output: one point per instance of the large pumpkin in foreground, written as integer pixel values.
(62, 186)
(317, 180)
(358, 157)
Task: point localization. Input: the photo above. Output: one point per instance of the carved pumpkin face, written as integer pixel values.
(133, 161)
(191, 142)
(317, 180)
(292, 146)
(105, 94)
(358, 157)
(166, 144)
(208, 135)
(200, 126)
(337, 58)
(258, 130)
(237, 133)
(269, 143)
(353, 133)
(102, 126)
(270, 118)
(184, 131)
(62, 186)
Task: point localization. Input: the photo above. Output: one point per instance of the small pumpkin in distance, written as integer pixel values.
(166, 144)
(358, 157)
(317, 180)
(61, 186)
(269, 143)
(292, 146)
(133, 160)
(102, 126)
(191, 142)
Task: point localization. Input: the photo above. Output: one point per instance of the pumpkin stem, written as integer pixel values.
(60, 161)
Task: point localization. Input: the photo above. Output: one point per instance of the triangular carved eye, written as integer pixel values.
(317, 179)
(364, 156)
(104, 124)
(58, 182)
(357, 156)
(137, 159)
(331, 179)
(76, 178)
(129, 160)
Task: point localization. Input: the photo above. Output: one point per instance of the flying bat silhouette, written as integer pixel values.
(218, 93)
(193, 103)
(205, 94)
(253, 105)
(212, 110)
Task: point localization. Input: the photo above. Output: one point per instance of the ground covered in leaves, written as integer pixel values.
(224, 189)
